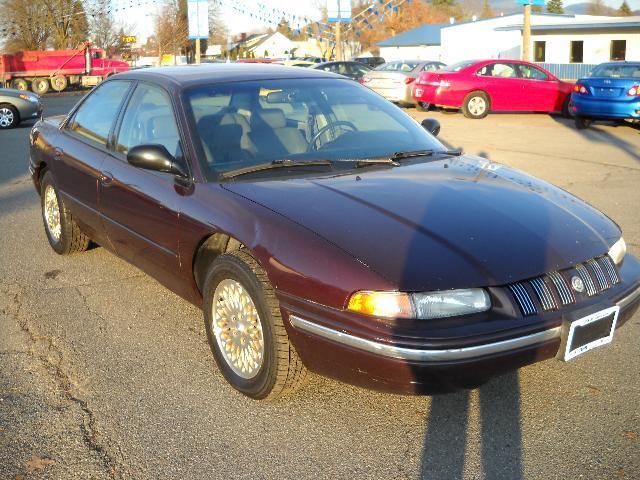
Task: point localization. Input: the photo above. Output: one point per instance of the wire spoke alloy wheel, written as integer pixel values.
(237, 328)
(6, 117)
(52, 213)
(477, 106)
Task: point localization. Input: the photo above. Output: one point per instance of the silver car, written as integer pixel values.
(394, 80)
(18, 105)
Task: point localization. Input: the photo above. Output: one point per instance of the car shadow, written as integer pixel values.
(596, 133)
(447, 432)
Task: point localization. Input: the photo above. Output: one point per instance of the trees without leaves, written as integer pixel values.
(555, 6)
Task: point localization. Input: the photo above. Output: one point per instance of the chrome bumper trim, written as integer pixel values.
(632, 297)
(424, 355)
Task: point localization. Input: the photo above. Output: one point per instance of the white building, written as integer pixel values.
(556, 39)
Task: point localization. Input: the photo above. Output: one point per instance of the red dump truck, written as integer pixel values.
(41, 70)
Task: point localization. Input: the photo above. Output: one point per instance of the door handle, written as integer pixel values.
(106, 179)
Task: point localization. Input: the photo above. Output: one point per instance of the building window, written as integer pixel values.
(577, 47)
(618, 49)
(539, 51)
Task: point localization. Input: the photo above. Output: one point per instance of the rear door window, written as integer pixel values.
(498, 70)
(95, 117)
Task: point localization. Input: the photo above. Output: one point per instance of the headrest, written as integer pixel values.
(226, 136)
(162, 126)
(271, 117)
(234, 119)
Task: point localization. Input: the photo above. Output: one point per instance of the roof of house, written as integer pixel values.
(424, 35)
(610, 24)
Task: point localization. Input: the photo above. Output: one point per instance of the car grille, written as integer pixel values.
(553, 291)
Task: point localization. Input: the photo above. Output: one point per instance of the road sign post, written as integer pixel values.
(339, 11)
(198, 18)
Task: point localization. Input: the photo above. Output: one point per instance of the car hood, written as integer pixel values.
(450, 223)
(13, 92)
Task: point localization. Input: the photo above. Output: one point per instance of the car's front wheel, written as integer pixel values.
(63, 233)
(582, 123)
(245, 329)
(423, 106)
(475, 105)
(9, 116)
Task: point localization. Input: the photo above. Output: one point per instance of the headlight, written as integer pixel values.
(28, 98)
(618, 251)
(441, 304)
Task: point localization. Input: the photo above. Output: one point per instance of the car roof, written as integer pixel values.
(192, 75)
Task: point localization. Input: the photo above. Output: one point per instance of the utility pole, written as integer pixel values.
(198, 51)
(526, 34)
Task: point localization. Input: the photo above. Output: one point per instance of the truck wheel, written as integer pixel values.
(476, 105)
(40, 85)
(59, 83)
(62, 231)
(20, 84)
(245, 329)
(9, 116)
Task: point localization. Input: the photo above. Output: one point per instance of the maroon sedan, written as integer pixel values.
(478, 87)
(319, 227)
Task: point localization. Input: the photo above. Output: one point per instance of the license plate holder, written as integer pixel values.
(589, 332)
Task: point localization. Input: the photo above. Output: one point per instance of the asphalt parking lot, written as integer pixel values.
(105, 374)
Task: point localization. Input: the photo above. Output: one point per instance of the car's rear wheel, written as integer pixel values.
(476, 105)
(40, 85)
(582, 123)
(245, 329)
(423, 106)
(9, 116)
(63, 233)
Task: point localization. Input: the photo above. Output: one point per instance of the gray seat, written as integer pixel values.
(232, 118)
(225, 145)
(272, 137)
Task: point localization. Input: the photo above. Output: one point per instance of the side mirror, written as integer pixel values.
(431, 125)
(155, 157)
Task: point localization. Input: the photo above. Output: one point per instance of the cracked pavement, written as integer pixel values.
(104, 374)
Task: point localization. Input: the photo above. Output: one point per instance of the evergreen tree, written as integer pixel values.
(625, 10)
(555, 6)
(486, 10)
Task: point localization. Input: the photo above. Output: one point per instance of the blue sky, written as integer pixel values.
(141, 18)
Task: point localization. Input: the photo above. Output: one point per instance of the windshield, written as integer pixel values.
(456, 67)
(398, 67)
(613, 70)
(241, 124)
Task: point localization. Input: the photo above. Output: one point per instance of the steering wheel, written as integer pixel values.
(331, 126)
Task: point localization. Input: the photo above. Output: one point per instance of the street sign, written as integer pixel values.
(198, 16)
(339, 10)
(535, 3)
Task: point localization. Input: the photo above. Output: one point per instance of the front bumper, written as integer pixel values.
(386, 362)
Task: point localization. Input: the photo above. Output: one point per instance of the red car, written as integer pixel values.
(478, 87)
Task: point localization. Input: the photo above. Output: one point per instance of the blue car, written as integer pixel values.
(610, 92)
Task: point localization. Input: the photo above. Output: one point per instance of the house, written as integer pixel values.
(422, 43)
(556, 39)
(271, 45)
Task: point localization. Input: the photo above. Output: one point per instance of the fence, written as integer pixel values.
(568, 71)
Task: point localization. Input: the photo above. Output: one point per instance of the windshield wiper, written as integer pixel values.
(285, 163)
(423, 153)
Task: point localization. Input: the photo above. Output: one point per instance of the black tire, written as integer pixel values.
(40, 85)
(566, 107)
(71, 239)
(423, 106)
(582, 123)
(59, 83)
(20, 84)
(9, 116)
(468, 108)
(281, 371)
